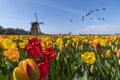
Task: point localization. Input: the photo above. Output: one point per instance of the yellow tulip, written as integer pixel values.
(43, 45)
(108, 53)
(101, 41)
(67, 44)
(75, 40)
(1, 38)
(7, 44)
(19, 72)
(59, 42)
(26, 70)
(85, 41)
(48, 43)
(88, 57)
(12, 54)
(21, 45)
(26, 41)
(13, 45)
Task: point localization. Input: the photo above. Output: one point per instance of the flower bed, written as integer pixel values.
(28, 57)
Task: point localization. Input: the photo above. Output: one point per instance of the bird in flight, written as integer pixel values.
(91, 13)
(103, 18)
(70, 20)
(96, 9)
(91, 18)
(82, 19)
(103, 9)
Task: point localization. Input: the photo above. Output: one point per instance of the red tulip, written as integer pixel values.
(44, 69)
(49, 54)
(97, 47)
(33, 40)
(34, 49)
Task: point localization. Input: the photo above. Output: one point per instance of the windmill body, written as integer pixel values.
(35, 29)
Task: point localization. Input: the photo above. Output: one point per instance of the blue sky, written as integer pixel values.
(56, 14)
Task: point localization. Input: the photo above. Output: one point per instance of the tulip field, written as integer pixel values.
(63, 57)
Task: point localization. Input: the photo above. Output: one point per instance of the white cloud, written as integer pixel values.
(98, 29)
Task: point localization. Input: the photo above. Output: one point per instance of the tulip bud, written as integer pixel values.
(66, 45)
(73, 44)
(115, 38)
(97, 47)
(77, 45)
(61, 47)
(117, 42)
(110, 43)
(92, 69)
(116, 49)
(59, 57)
(118, 53)
(119, 61)
(113, 48)
(81, 47)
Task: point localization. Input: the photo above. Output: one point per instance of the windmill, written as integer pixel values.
(35, 28)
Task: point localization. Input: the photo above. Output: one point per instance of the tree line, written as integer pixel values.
(13, 31)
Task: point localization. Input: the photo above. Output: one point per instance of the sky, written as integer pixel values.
(62, 16)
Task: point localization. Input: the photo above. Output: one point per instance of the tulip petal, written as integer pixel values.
(44, 69)
(19, 75)
(32, 69)
(31, 73)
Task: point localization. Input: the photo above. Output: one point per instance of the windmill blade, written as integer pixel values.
(39, 29)
(41, 23)
(36, 17)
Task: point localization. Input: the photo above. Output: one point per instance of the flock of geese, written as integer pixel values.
(88, 14)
